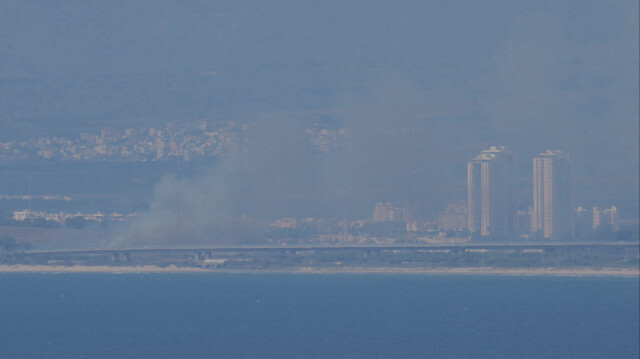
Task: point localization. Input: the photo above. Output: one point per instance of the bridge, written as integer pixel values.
(456, 248)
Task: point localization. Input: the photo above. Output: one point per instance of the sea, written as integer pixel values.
(246, 315)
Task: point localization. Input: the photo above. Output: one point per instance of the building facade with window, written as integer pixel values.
(491, 188)
(552, 216)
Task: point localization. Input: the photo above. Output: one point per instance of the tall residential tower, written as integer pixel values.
(491, 184)
(552, 204)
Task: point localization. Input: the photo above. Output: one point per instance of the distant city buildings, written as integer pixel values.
(454, 217)
(608, 219)
(593, 222)
(184, 142)
(490, 211)
(524, 222)
(61, 217)
(189, 141)
(583, 222)
(552, 215)
(387, 212)
(392, 222)
(491, 184)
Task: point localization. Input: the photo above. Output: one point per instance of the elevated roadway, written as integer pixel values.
(459, 247)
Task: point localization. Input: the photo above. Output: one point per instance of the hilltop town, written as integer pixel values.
(184, 141)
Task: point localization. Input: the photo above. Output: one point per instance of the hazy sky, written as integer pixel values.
(422, 85)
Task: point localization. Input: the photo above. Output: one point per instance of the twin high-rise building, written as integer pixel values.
(492, 207)
(552, 216)
(491, 181)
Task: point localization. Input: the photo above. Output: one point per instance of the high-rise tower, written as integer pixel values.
(552, 203)
(491, 184)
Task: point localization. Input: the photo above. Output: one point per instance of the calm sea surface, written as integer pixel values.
(316, 316)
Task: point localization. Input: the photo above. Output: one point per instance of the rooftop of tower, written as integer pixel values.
(491, 153)
(554, 153)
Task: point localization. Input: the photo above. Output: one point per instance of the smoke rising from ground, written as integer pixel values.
(266, 174)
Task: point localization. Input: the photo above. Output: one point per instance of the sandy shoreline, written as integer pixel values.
(627, 272)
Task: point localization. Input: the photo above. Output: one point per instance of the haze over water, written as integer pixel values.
(420, 87)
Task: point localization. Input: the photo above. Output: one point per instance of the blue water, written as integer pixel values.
(316, 316)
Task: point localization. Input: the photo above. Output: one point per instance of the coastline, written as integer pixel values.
(620, 272)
